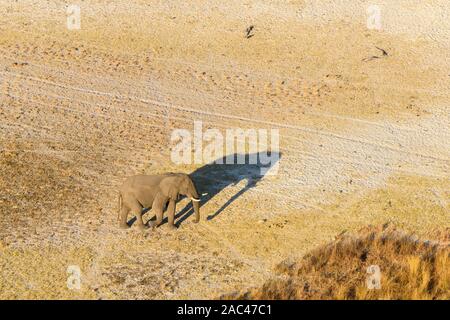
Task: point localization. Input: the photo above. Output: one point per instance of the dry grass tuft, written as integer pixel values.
(410, 268)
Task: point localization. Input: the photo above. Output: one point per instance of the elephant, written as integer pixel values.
(155, 191)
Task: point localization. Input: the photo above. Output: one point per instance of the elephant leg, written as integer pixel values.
(123, 217)
(158, 208)
(159, 217)
(171, 214)
(136, 210)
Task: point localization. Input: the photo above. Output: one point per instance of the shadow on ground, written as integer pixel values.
(213, 178)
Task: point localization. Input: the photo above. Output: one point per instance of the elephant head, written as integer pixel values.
(181, 184)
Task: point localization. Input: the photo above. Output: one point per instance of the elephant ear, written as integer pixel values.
(170, 187)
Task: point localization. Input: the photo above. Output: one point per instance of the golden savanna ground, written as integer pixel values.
(363, 140)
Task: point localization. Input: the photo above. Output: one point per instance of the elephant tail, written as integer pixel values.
(120, 207)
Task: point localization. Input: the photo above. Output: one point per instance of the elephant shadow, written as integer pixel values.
(214, 177)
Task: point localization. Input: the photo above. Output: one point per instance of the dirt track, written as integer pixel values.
(362, 141)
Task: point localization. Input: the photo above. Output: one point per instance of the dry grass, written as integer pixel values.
(411, 268)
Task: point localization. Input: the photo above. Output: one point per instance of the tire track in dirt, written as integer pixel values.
(233, 117)
(312, 155)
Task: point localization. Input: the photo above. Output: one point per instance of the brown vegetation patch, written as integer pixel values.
(411, 268)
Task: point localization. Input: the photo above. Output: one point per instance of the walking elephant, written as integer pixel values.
(155, 191)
